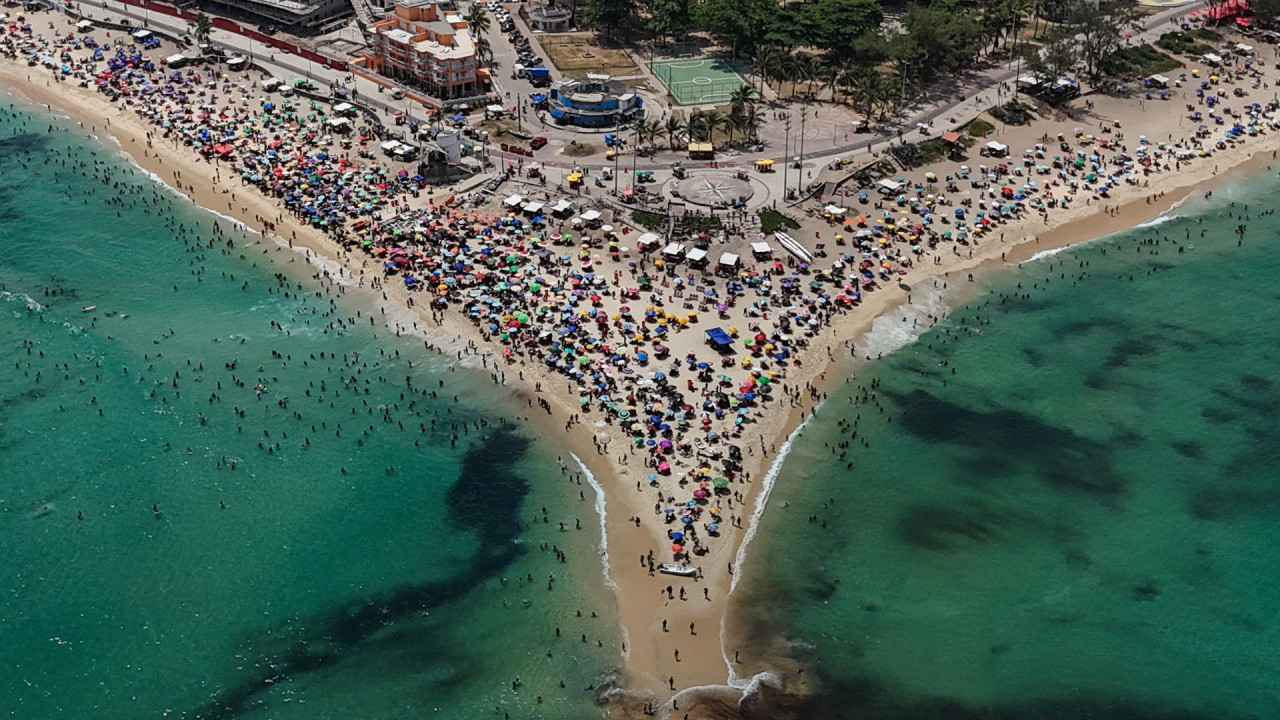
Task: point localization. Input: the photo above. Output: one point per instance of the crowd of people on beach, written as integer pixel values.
(677, 357)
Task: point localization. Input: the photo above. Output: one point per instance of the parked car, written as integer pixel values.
(397, 95)
(538, 143)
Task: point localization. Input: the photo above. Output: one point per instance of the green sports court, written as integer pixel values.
(707, 81)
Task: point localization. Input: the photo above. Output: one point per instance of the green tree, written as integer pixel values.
(610, 16)
(483, 49)
(674, 126)
(735, 121)
(867, 87)
(713, 121)
(201, 28)
(669, 18)
(834, 25)
(1056, 56)
(1268, 9)
(743, 98)
(948, 37)
(767, 64)
(478, 20)
(740, 24)
(1099, 31)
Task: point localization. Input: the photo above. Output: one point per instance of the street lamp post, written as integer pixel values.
(804, 115)
(635, 157)
(786, 155)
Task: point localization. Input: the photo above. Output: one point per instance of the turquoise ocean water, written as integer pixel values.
(1061, 502)
(178, 543)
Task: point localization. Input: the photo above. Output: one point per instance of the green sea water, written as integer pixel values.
(1063, 501)
(225, 492)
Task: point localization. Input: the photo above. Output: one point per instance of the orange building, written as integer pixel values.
(423, 45)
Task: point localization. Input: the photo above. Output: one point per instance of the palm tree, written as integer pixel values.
(828, 76)
(735, 120)
(674, 126)
(478, 20)
(752, 122)
(712, 120)
(866, 88)
(846, 74)
(648, 130)
(697, 124)
(201, 26)
(743, 97)
(767, 63)
(483, 49)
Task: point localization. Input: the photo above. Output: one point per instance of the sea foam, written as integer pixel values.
(903, 325)
(603, 547)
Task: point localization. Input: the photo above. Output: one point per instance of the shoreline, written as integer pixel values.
(646, 668)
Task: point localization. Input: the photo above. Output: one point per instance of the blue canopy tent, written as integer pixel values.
(719, 338)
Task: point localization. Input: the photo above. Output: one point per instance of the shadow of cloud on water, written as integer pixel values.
(485, 500)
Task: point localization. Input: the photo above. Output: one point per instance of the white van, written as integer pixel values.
(270, 84)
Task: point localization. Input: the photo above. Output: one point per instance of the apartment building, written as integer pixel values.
(427, 45)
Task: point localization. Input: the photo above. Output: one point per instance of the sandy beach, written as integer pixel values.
(686, 639)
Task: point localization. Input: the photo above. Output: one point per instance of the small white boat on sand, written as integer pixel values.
(794, 247)
(88, 308)
(681, 570)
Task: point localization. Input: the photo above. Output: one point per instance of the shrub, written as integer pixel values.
(978, 128)
(1012, 113)
(908, 154)
(1139, 61)
(649, 220)
(772, 220)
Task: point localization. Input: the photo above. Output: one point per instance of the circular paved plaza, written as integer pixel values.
(715, 189)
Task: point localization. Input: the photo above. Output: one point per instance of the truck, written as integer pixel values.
(539, 76)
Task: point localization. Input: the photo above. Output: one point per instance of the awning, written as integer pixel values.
(557, 113)
(761, 248)
(696, 255)
(765, 162)
(513, 201)
(673, 249)
(833, 210)
(728, 259)
(642, 241)
(889, 185)
(562, 206)
(950, 136)
(719, 337)
(593, 215)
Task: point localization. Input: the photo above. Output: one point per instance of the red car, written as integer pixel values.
(537, 143)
